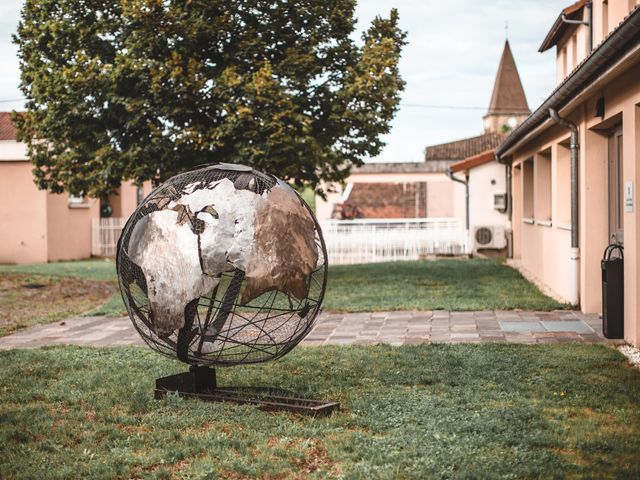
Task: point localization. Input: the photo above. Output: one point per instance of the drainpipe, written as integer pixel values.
(588, 23)
(574, 148)
(509, 192)
(589, 8)
(465, 182)
(508, 179)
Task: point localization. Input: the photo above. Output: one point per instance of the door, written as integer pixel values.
(616, 194)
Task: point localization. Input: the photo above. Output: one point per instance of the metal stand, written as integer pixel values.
(200, 382)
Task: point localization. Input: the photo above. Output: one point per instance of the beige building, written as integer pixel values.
(425, 189)
(575, 161)
(38, 226)
(411, 189)
(396, 190)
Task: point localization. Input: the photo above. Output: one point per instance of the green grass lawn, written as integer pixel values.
(446, 284)
(97, 269)
(309, 196)
(414, 412)
(30, 299)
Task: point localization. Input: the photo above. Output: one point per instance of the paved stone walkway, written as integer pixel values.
(395, 328)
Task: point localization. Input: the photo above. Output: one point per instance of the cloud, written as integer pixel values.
(451, 59)
(9, 65)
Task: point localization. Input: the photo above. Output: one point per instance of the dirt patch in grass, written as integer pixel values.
(233, 475)
(316, 460)
(26, 300)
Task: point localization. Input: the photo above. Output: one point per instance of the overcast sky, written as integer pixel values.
(450, 60)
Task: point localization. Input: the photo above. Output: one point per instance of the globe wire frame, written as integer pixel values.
(231, 350)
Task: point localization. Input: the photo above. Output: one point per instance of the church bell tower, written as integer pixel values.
(508, 106)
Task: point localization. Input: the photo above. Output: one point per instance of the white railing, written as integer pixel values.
(383, 240)
(348, 241)
(105, 233)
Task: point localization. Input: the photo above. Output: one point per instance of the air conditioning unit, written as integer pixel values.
(489, 237)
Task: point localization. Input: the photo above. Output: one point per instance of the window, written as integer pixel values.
(139, 195)
(527, 189)
(564, 62)
(77, 201)
(563, 186)
(574, 52)
(542, 185)
(605, 18)
(616, 190)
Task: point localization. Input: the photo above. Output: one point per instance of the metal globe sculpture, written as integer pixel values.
(222, 265)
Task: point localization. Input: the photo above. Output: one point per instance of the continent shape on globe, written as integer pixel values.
(185, 247)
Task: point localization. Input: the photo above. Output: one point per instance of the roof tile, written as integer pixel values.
(474, 161)
(389, 200)
(508, 95)
(8, 130)
(461, 149)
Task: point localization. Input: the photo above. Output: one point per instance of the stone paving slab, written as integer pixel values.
(395, 328)
(567, 325)
(515, 326)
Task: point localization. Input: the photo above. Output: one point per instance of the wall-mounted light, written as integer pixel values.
(600, 107)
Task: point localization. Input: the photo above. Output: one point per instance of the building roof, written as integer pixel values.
(438, 158)
(559, 27)
(404, 167)
(508, 95)
(461, 149)
(8, 130)
(389, 200)
(474, 161)
(622, 40)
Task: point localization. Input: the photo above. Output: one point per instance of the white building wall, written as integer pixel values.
(484, 182)
(11, 150)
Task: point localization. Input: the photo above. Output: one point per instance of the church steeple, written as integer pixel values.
(508, 106)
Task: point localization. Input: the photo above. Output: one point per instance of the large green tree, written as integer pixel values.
(144, 89)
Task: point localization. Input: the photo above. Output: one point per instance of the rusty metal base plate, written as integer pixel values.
(200, 382)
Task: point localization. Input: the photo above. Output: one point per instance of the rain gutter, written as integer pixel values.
(612, 48)
(465, 182)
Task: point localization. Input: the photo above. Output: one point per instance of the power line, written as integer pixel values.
(444, 107)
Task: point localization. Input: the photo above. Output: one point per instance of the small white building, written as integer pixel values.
(488, 210)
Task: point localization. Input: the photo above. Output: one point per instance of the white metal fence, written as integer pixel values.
(105, 233)
(348, 241)
(370, 241)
